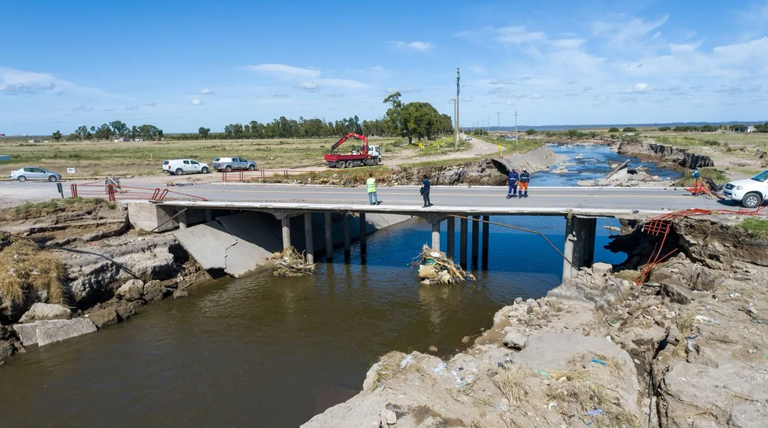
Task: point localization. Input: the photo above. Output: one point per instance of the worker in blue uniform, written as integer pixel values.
(512, 179)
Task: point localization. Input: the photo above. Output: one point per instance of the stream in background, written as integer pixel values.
(273, 352)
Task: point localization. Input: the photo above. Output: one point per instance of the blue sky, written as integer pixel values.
(185, 64)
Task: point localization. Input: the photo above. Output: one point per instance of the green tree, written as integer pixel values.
(394, 117)
(531, 132)
(614, 129)
(204, 132)
(56, 136)
(630, 129)
(665, 129)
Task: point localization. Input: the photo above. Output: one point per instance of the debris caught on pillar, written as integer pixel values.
(290, 263)
(436, 268)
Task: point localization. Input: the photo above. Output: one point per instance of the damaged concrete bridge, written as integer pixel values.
(236, 236)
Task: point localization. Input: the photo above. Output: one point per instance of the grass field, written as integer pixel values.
(143, 158)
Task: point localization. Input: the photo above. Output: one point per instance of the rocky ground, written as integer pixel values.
(689, 348)
(102, 272)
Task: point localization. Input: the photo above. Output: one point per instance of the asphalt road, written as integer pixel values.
(622, 198)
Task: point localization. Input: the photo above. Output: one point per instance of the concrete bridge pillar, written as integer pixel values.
(286, 223)
(183, 219)
(208, 216)
(486, 238)
(579, 246)
(363, 235)
(451, 226)
(328, 237)
(463, 243)
(309, 238)
(475, 241)
(347, 241)
(436, 235)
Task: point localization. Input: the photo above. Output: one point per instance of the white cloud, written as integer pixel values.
(478, 69)
(129, 108)
(205, 91)
(195, 102)
(566, 43)
(151, 104)
(535, 96)
(308, 85)
(637, 88)
(404, 90)
(14, 82)
(341, 83)
(518, 35)
(284, 71)
(622, 32)
(414, 46)
(334, 94)
(82, 107)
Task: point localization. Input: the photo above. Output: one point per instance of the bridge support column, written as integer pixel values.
(463, 243)
(328, 237)
(475, 241)
(363, 235)
(451, 226)
(309, 238)
(183, 219)
(347, 242)
(436, 235)
(208, 216)
(579, 246)
(286, 222)
(486, 238)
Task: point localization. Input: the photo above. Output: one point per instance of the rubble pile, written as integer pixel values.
(290, 262)
(435, 267)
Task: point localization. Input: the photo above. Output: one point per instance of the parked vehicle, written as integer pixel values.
(34, 173)
(749, 192)
(185, 166)
(365, 155)
(228, 164)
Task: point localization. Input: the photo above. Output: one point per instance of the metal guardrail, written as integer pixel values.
(116, 192)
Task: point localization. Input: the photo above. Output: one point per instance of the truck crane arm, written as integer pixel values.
(347, 137)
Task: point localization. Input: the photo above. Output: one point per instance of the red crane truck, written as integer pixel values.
(364, 156)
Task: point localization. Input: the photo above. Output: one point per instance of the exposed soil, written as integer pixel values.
(687, 349)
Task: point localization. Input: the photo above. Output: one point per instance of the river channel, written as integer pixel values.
(273, 352)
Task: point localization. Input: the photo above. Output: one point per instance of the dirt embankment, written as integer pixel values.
(667, 156)
(688, 349)
(68, 267)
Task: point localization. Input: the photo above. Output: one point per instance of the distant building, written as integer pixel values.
(123, 140)
(139, 140)
(2, 135)
(751, 128)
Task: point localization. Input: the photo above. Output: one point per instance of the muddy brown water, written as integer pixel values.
(264, 351)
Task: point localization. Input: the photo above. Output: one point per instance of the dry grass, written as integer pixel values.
(25, 268)
(584, 397)
(685, 326)
(97, 159)
(511, 384)
(31, 210)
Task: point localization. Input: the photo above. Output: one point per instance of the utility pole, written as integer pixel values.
(458, 90)
(489, 124)
(498, 121)
(455, 111)
(517, 138)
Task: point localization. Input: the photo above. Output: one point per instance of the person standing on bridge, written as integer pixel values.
(525, 177)
(373, 197)
(425, 186)
(512, 178)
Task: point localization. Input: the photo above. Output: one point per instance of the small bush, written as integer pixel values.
(614, 129)
(630, 129)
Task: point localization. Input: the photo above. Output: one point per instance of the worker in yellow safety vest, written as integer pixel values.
(373, 197)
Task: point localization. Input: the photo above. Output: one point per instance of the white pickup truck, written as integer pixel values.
(184, 166)
(749, 192)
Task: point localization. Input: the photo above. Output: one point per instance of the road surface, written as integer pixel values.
(617, 198)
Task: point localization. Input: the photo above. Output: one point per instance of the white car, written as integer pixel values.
(185, 166)
(750, 192)
(34, 173)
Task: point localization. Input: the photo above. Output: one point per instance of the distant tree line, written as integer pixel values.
(111, 130)
(712, 128)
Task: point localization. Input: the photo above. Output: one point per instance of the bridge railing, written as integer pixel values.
(116, 192)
